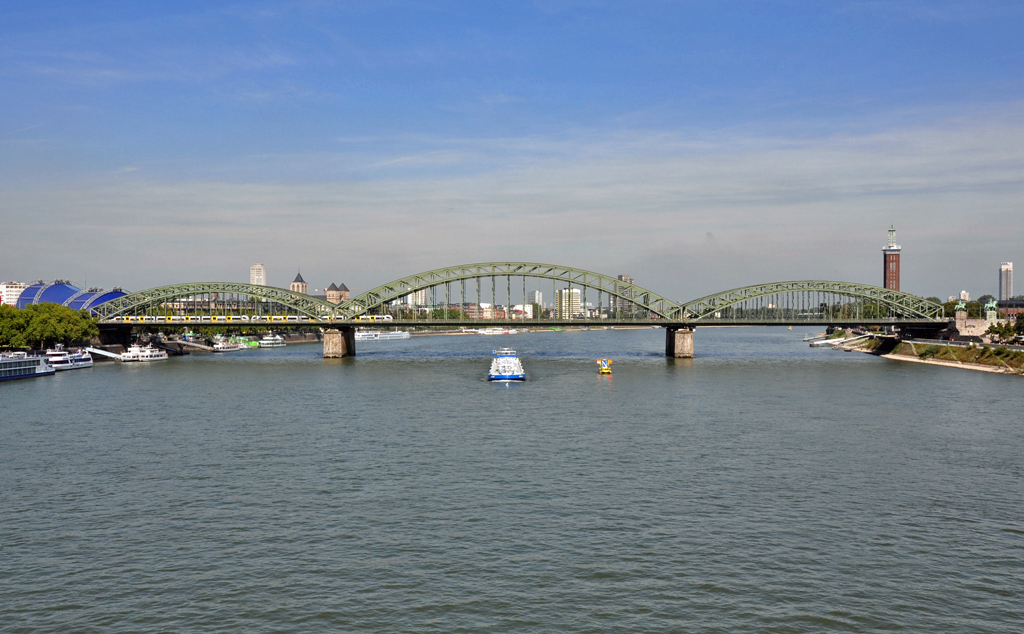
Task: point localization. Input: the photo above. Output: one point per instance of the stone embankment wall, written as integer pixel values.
(303, 337)
(975, 327)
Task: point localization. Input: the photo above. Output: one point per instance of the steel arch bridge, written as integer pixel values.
(832, 298)
(206, 295)
(807, 301)
(377, 298)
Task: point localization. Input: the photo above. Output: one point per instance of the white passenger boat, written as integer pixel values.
(18, 365)
(223, 345)
(506, 367)
(368, 335)
(62, 359)
(139, 353)
(272, 341)
(498, 331)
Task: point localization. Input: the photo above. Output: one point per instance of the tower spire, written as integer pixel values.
(891, 262)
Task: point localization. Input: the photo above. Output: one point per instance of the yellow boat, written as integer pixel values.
(605, 366)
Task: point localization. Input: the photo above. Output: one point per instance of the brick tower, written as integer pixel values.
(891, 262)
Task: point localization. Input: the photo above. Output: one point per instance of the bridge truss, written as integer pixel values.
(818, 300)
(214, 299)
(458, 295)
(639, 300)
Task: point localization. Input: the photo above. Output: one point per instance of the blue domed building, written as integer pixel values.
(67, 294)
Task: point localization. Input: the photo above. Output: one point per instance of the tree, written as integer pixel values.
(934, 299)
(973, 309)
(12, 325)
(43, 325)
(1004, 331)
(984, 299)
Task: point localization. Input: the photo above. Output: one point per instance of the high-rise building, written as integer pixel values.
(1005, 281)
(891, 262)
(535, 297)
(416, 298)
(568, 303)
(258, 275)
(10, 292)
(622, 304)
(299, 285)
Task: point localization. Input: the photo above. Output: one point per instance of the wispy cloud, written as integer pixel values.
(31, 127)
(639, 202)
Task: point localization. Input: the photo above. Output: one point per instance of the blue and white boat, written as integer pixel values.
(506, 366)
(62, 359)
(18, 365)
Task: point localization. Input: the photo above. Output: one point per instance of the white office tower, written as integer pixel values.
(535, 297)
(965, 296)
(1005, 281)
(621, 304)
(258, 275)
(568, 303)
(416, 298)
(10, 292)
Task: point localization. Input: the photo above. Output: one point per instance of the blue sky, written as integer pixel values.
(697, 146)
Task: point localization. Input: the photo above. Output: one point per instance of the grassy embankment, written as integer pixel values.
(995, 356)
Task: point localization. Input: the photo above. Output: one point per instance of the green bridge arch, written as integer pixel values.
(154, 298)
(376, 298)
(896, 305)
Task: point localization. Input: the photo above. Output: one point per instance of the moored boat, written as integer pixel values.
(369, 335)
(226, 345)
(272, 341)
(506, 366)
(136, 352)
(18, 365)
(498, 331)
(62, 359)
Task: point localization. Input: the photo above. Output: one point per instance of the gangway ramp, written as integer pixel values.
(104, 353)
(836, 342)
(194, 345)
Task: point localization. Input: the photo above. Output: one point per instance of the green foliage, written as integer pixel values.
(935, 300)
(1004, 331)
(984, 299)
(974, 309)
(43, 325)
(929, 351)
(447, 313)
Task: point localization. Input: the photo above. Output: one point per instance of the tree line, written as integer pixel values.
(43, 325)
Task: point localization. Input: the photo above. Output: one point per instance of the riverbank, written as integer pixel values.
(993, 359)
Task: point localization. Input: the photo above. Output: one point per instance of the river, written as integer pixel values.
(763, 486)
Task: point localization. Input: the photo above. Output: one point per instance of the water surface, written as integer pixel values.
(761, 487)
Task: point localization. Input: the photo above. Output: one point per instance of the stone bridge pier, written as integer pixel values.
(679, 343)
(340, 342)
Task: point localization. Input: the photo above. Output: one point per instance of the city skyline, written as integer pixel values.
(700, 147)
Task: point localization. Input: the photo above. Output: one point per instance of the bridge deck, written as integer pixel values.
(530, 323)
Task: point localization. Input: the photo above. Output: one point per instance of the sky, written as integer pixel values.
(695, 145)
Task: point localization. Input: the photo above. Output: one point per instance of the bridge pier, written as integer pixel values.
(679, 343)
(339, 342)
